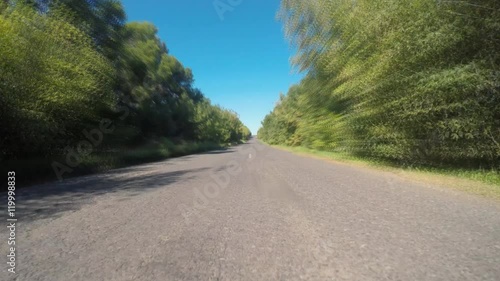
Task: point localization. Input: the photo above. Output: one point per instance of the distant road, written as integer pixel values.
(267, 215)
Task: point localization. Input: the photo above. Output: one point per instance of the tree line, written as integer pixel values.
(66, 65)
(416, 82)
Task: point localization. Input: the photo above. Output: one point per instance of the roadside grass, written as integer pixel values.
(151, 152)
(38, 170)
(480, 182)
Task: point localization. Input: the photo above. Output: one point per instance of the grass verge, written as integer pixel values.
(479, 182)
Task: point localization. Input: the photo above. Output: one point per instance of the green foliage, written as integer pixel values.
(67, 65)
(52, 83)
(415, 82)
(218, 125)
(159, 90)
(101, 20)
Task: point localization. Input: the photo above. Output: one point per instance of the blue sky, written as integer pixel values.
(240, 60)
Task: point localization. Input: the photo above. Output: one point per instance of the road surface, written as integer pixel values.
(252, 213)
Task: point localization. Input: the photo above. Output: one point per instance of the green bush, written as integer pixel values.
(412, 82)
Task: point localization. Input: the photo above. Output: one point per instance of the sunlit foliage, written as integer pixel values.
(66, 65)
(411, 81)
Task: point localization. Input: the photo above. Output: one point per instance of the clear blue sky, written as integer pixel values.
(240, 61)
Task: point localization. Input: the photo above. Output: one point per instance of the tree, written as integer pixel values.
(53, 83)
(412, 82)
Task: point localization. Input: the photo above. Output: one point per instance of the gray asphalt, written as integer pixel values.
(252, 213)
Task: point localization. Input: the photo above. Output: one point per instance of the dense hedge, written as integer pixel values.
(410, 81)
(67, 66)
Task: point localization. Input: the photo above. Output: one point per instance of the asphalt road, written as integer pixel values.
(252, 213)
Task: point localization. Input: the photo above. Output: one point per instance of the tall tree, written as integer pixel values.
(53, 83)
(415, 82)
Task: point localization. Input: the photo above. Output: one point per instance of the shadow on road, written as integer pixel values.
(51, 200)
(217, 151)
